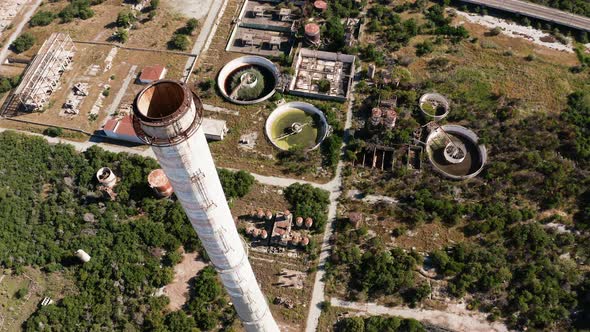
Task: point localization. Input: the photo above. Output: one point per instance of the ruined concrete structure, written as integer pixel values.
(42, 76)
(167, 115)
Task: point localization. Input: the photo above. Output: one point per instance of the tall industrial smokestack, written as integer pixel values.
(168, 117)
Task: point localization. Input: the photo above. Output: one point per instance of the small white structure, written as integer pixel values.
(214, 129)
(46, 301)
(106, 177)
(83, 256)
(434, 105)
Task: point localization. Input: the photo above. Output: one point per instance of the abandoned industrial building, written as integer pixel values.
(41, 77)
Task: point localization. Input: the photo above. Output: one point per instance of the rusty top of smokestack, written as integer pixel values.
(166, 112)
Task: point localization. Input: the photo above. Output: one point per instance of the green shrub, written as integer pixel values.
(248, 93)
(308, 201)
(22, 292)
(42, 18)
(179, 42)
(53, 131)
(23, 43)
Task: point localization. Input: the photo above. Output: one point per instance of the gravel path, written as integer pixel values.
(455, 317)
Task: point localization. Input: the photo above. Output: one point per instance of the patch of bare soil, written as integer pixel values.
(177, 291)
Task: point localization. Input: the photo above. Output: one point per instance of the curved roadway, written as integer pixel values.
(536, 11)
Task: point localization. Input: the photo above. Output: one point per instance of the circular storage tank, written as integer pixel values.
(312, 33)
(296, 124)
(158, 180)
(248, 80)
(106, 177)
(463, 158)
(435, 106)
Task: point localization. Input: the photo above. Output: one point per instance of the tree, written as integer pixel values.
(42, 18)
(76, 9)
(179, 42)
(121, 35)
(22, 292)
(308, 201)
(53, 131)
(178, 321)
(125, 19)
(154, 4)
(191, 25)
(23, 42)
(335, 33)
(235, 184)
(424, 48)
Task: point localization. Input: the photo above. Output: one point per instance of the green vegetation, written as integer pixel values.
(516, 243)
(245, 92)
(126, 18)
(22, 292)
(525, 264)
(49, 193)
(23, 42)
(179, 42)
(42, 18)
(53, 131)
(307, 201)
(121, 35)
(378, 323)
(76, 9)
(577, 115)
(154, 4)
(8, 83)
(324, 85)
(235, 184)
(580, 7)
(191, 25)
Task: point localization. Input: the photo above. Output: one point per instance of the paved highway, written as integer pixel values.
(537, 11)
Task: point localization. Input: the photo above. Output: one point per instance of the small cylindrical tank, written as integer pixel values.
(376, 115)
(106, 177)
(82, 255)
(158, 181)
(312, 33)
(320, 5)
(390, 118)
(268, 214)
(263, 234)
(305, 241)
(308, 222)
(260, 213)
(299, 221)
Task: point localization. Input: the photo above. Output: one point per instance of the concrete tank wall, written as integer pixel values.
(243, 61)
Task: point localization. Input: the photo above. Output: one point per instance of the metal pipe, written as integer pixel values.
(167, 115)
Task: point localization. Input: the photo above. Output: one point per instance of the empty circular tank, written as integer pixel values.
(236, 69)
(300, 118)
(456, 167)
(106, 177)
(434, 105)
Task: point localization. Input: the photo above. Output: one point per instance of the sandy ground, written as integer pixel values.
(455, 317)
(516, 30)
(191, 8)
(177, 291)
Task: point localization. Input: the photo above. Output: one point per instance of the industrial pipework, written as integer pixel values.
(167, 116)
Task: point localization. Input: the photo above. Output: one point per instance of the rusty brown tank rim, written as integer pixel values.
(166, 120)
